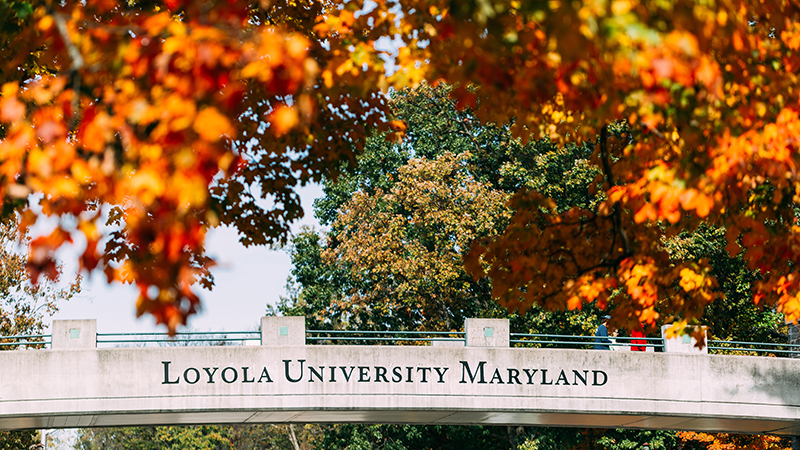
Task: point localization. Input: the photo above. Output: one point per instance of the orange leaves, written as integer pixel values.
(692, 200)
(212, 126)
(96, 130)
(283, 120)
(790, 36)
(589, 290)
(640, 281)
(646, 213)
(167, 100)
(156, 23)
(724, 441)
(278, 61)
(661, 198)
(11, 109)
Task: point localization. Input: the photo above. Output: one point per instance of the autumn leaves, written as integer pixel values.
(186, 115)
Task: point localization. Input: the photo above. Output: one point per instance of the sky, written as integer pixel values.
(247, 280)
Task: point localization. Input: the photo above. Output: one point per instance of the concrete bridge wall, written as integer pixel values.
(82, 387)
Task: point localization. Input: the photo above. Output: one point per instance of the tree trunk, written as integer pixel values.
(293, 437)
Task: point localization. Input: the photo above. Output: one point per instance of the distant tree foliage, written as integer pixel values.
(402, 220)
(24, 306)
(200, 437)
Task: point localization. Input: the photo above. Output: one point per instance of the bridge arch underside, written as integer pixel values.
(383, 384)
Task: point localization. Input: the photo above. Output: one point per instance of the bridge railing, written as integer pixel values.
(385, 337)
(753, 348)
(183, 339)
(25, 341)
(291, 331)
(537, 340)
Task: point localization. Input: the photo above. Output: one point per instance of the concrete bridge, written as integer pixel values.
(75, 384)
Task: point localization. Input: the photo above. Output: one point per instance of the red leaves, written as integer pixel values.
(42, 254)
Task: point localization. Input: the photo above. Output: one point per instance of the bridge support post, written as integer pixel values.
(74, 334)
(683, 343)
(283, 331)
(487, 332)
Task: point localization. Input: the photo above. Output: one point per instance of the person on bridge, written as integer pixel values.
(601, 340)
(638, 345)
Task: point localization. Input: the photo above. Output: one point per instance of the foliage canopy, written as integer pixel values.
(182, 115)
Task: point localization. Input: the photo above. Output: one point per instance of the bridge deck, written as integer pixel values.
(398, 384)
(75, 384)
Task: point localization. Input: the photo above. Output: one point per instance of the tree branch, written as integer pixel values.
(617, 215)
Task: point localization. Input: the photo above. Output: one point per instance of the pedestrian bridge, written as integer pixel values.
(75, 384)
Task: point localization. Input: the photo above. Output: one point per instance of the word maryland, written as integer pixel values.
(296, 371)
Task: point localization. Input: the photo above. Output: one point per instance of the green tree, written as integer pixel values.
(353, 278)
(403, 218)
(598, 439)
(201, 437)
(416, 437)
(400, 224)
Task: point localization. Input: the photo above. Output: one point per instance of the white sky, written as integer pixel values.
(247, 279)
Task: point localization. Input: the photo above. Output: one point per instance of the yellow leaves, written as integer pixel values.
(165, 104)
(45, 23)
(722, 17)
(690, 280)
(283, 119)
(62, 188)
(146, 184)
(211, 125)
(339, 24)
(620, 7)
(255, 69)
(190, 190)
(789, 305)
(81, 172)
(682, 42)
(327, 78)
(173, 44)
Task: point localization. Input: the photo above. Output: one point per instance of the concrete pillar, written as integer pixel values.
(74, 334)
(793, 332)
(683, 343)
(283, 331)
(487, 332)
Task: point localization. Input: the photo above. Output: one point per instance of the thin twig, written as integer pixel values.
(77, 64)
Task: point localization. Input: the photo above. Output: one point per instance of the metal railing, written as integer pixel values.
(184, 339)
(383, 337)
(753, 348)
(28, 341)
(537, 340)
(334, 337)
